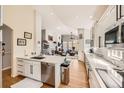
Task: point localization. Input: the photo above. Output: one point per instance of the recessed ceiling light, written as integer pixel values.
(58, 28)
(77, 16)
(52, 13)
(90, 17)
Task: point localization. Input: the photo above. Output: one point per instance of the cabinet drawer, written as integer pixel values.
(19, 64)
(21, 68)
(20, 72)
(20, 60)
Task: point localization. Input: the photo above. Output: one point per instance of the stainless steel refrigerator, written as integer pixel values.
(1, 24)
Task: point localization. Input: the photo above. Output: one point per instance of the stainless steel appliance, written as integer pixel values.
(111, 37)
(122, 33)
(48, 73)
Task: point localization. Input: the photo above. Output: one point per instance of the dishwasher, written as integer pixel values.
(48, 73)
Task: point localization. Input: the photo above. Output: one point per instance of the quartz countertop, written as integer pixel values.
(96, 61)
(48, 59)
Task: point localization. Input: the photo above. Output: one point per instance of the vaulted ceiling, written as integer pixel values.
(71, 17)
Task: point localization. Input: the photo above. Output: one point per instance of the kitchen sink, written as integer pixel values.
(37, 57)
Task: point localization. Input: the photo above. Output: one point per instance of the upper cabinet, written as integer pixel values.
(119, 12)
(122, 10)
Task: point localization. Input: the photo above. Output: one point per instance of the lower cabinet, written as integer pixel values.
(37, 70)
(93, 80)
(29, 69)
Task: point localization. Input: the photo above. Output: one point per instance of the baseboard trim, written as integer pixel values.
(6, 68)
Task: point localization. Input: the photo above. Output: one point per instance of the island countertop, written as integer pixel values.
(48, 59)
(51, 59)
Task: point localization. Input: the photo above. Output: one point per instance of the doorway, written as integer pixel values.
(7, 52)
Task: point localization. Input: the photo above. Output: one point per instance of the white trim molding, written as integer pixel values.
(6, 68)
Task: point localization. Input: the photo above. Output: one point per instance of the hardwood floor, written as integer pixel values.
(8, 80)
(78, 77)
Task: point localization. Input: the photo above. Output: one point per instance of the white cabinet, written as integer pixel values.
(37, 70)
(29, 69)
(93, 81)
(20, 67)
(122, 10)
(81, 56)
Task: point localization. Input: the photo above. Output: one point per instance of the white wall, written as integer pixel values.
(37, 34)
(21, 19)
(52, 23)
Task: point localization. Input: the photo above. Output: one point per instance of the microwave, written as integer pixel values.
(111, 36)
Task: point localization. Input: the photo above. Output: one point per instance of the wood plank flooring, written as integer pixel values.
(78, 77)
(8, 80)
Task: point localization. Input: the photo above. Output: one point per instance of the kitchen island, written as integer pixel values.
(32, 68)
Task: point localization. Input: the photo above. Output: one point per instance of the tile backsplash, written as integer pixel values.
(114, 54)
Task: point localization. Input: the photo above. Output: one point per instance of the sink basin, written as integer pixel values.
(37, 57)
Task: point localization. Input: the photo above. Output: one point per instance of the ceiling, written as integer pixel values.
(70, 17)
(78, 16)
(75, 16)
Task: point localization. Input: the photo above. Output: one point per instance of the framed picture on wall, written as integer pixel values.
(27, 35)
(21, 42)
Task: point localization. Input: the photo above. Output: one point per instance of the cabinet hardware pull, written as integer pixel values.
(20, 60)
(31, 69)
(20, 65)
(20, 71)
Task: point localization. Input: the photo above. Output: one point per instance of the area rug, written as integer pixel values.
(27, 83)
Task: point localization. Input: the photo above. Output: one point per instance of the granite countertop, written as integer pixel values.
(48, 59)
(98, 62)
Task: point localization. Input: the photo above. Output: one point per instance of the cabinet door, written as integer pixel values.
(122, 10)
(37, 71)
(29, 69)
(20, 67)
(93, 81)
